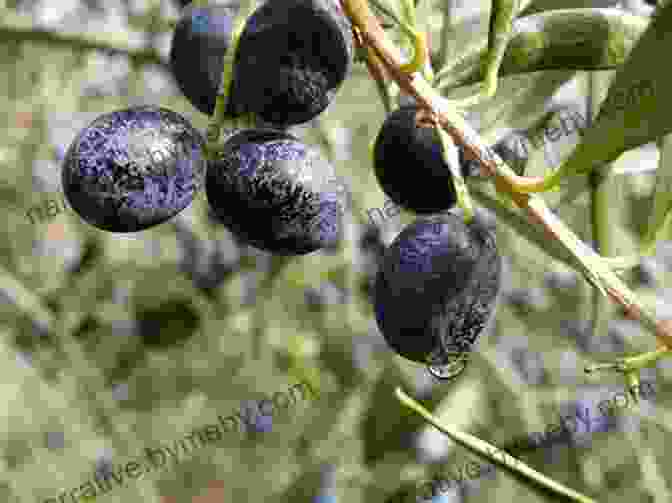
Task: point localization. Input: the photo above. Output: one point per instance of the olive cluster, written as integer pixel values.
(442, 270)
(136, 168)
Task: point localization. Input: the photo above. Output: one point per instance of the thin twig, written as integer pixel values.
(481, 448)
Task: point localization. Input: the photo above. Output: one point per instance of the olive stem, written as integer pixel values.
(631, 366)
(377, 71)
(447, 78)
(632, 363)
(602, 188)
(219, 117)
(447, 34)
(482, 448)
(502, 14)
(418, 41)
(450, 155)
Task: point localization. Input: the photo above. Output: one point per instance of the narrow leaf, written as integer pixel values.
(634, 112)
(562, 39)
(521, 225)
(566, 246)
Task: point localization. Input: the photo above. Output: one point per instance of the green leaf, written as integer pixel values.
(634, 112)
(563, 39)
(660, 219)
(532, 151)
(520, 100)
(543, 5)
(521, 225)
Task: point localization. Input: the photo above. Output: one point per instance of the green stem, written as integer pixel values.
(408, 8)
(219, 117)
(450, 156)
(482, 448)
(409, 27)
(630, 366)
(411, 18)
(602, 188)
(447, 34)
(384, 88)
(450, 76)
(502, 14)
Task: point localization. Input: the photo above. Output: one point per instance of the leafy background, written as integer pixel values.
(112, 343)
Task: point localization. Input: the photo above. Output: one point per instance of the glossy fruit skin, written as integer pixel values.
(275, 193)
(437, 286)
(302, 67)
(409, 166)
(200, 39)
(134, 168)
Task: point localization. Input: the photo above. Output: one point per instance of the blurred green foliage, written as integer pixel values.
(123, 341)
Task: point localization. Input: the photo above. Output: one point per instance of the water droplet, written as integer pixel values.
(447, 366)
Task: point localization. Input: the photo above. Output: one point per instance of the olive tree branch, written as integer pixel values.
(505, 180)
(18, 27)
(377, 71)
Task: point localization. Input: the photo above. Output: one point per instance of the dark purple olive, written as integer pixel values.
(134, 168)
(275, 193)
(437, 287)
(292, 57)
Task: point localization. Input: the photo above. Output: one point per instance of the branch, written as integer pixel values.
(538, 212)
(18, 27)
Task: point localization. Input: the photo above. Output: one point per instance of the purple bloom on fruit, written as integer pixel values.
(284, 75)
(134, 168)
(275, 193)
(437, 287)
